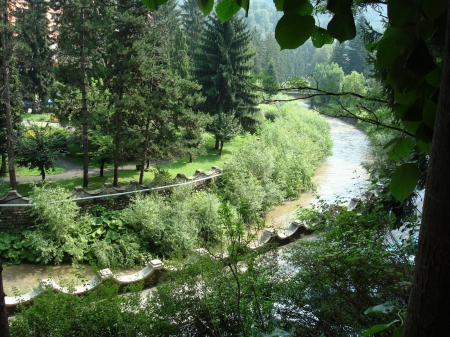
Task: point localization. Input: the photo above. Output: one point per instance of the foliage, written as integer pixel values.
(40, 147)
(171, 228)
(35, 55)
(222, 66)
(101, 312)
(277, 163)
(56, 232)
(352, 264)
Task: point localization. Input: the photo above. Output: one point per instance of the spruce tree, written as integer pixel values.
(36, 60)
(81, 26)
(193, 23)
(223, 65)
(151, 104)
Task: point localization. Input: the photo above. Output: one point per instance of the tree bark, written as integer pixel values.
(427, 313)
(42, 173)
(221, 148)
(116, 175)
(141, 171)
(84, 111)
(4, 326)
(7, 95)
(216, 146)
(3, 169)
(102, 167)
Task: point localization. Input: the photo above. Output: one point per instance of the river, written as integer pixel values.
(341, 175)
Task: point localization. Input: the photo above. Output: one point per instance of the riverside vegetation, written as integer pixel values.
(320, 287)
(275, 163)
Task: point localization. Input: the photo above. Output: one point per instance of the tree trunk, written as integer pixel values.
(427, 313)
(3, 169)
(148, 163)
(102, 167)
(84, 112)
(42, 173)
(216, 146)
(221, 148)
(7, 96)
(141, 173)
(116, 175)
(4, 326)
(191, 159)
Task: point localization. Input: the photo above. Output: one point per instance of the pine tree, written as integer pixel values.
(36, 61)
(223, 66)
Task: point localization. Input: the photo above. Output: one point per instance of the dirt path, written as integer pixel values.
(72, 171)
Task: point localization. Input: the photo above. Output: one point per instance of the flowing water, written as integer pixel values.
(341, 175)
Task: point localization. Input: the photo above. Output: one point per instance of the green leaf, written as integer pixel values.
(293, 30)
(4, 246)
(401, 12)
(321, 37)
(154, 4)
(384, 308)
(302, 7)
(402, 148)
(342, 27)
(371, 47)
(404, 181)
(226, 9)
(378, 328)
(407, 97)
(387, 50)
(205, 6)
(419, 60)
(279, 5)
(434, 77)
(398, 331)
(434, 8)
(339, 6)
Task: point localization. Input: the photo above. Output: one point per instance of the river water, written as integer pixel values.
(341, 175)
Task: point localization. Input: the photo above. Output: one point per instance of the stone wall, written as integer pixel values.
(15, 209)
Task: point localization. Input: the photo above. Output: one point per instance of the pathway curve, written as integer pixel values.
(72, 171)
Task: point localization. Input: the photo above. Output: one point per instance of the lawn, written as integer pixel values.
(182, 165)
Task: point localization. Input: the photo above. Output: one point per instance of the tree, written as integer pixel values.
(193, 22)
(222, 66)
(327, 77)
(79, 48)
(225, 127)
(40, 147)
(36, 61)
(5, 37)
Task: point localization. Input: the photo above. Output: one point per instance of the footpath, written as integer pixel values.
(72, 171)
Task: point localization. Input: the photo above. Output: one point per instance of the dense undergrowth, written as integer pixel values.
(275, 163)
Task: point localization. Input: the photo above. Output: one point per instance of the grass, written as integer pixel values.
(26, 172)
(42, 117)
(182, 165)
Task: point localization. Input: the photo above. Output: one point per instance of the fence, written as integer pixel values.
(15, 209)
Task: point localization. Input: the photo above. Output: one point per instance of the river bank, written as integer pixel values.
(341, 175)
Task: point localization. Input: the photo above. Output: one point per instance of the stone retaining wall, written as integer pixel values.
(15, 209)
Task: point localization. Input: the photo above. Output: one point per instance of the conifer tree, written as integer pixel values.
(193, 23)
(36, 59)
(151, 103)
(223, 65)
(79, 49)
